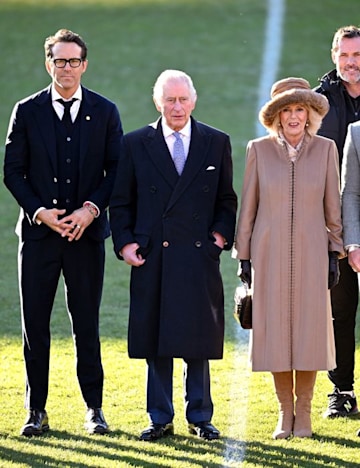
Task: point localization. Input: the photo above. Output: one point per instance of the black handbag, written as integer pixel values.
(243, 306)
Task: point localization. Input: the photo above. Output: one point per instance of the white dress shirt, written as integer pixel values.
(170, 139)
(59, 108)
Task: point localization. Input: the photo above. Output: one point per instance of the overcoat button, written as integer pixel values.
(206, 188)
(152, 189)
(55, 180)
(165, 244)
(198, 244)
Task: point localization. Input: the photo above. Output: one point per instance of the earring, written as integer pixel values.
(307, 124)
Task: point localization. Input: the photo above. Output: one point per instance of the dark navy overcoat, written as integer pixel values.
(176, 297)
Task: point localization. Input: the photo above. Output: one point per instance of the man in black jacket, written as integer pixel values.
(342, 88)
(61, 157)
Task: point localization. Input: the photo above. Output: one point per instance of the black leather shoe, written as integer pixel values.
(204, 430)
(156, 431)
(36, 423)
(95, 422)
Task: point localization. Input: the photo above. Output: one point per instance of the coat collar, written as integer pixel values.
(157, 149)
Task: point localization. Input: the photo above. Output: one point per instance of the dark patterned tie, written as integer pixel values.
(67, 117)
(179, 153)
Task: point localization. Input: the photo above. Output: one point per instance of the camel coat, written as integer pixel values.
(289, 219)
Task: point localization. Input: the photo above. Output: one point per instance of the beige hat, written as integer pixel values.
(291, 91)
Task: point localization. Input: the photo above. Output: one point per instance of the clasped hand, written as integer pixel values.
(131, 255)
(354, 259)
(71, 226)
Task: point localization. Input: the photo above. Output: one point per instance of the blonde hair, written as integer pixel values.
(314, 121)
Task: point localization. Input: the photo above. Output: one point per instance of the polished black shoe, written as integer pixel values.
(204, 430)
(95, 422)
(36, 423)
(156, 431)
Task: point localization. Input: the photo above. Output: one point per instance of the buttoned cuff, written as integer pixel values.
(351, 247)
(34, 220)
(94, 210)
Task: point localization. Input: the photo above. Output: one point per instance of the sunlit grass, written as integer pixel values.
(219, 43)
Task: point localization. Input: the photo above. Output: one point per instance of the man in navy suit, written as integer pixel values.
(172, 213)
(61, 157)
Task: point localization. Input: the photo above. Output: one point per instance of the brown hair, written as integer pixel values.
(64, 35)
(348, 32)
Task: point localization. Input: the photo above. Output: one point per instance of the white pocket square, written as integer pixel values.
(210, 168)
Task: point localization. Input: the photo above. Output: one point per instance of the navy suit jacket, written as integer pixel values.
(31, 169)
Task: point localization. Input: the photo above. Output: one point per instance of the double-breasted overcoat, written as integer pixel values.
(176, 297)
(289, 219)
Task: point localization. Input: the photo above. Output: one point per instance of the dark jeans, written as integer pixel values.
(344, 301)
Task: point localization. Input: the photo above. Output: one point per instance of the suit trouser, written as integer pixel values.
(344, 301)
(196, 376)
(82, 264)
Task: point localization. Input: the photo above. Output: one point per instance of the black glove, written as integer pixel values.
(334, 272)
(245, 272)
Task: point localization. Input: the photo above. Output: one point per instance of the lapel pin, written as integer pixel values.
(88, 117)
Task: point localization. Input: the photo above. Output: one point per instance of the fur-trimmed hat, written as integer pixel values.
(291, 91)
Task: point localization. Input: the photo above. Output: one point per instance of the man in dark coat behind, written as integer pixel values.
(341, 86)
(171, 226)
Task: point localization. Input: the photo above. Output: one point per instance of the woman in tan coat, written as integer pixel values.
(288, 240)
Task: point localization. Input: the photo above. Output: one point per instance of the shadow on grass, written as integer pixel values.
(266, 455)
(112, 449)
(171, 452)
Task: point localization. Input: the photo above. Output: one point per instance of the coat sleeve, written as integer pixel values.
(332, 208)
(112, 134)
(248, 206)
(16, 164)
(350, 187)
(123, 202)
(226, 199)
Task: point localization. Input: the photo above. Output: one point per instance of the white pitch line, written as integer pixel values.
(235, 450)
(272, 53)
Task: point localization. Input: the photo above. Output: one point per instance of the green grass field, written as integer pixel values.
(220, 44)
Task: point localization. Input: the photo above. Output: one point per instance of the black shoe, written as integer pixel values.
(156, 431)
(204, 430)
(36, 423)
(95, 422)
(341, 405)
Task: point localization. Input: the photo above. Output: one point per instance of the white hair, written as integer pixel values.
(172, 75)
